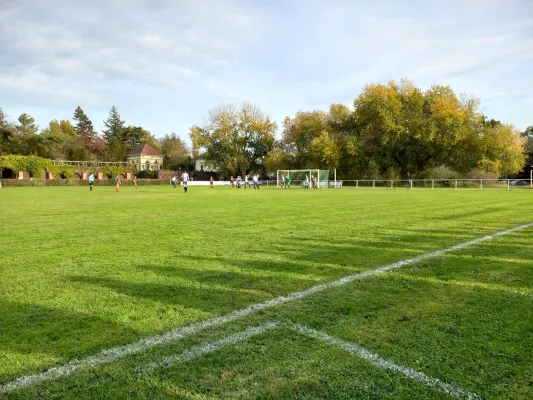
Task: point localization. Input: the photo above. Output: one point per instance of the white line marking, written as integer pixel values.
(382, 363)
(116, 353)
(352, 348)
(210, 347)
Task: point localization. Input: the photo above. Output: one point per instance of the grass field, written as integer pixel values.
(84, 271)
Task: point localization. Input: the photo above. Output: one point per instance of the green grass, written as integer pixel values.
(82, 272)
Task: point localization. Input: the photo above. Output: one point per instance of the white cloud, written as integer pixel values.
(165, 62)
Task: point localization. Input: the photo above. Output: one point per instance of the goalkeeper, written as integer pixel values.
(288, 182)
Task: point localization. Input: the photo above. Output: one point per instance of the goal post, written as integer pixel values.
(298, 176)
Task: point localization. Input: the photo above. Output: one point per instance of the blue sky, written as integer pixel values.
(165, 63)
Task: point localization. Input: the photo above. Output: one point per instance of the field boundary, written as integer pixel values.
(349, 347)
(115, 353)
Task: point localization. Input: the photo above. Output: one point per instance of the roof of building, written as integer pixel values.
(144, 150)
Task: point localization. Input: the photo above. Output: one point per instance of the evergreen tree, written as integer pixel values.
(84, 126)
(113, 126)
(27, 125)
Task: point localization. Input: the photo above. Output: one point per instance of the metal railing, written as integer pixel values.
(439, 183)
(92, 163)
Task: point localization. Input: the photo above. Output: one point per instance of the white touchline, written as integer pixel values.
(210, 347)
(349, 347)
(380, 362)
(116, 353)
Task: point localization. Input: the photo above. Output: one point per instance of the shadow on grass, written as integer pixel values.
(208, 298)
(29, 329)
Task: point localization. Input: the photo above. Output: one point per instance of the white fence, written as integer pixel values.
(433, 184)
(439, 183)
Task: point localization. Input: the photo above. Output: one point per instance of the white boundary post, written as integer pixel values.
(391, 184)
(433, 184)
(335, 177)
(508, 184)
(481, 184)
(456, 183)
(411, 184)
(531, 177)
(373, 184)
(318, 180)
(357, 184)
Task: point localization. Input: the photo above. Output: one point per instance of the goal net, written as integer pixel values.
(299, 177)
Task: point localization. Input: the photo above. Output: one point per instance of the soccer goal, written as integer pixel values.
(298, 177)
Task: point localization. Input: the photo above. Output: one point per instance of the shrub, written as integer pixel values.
(440, 172)
(479, 173)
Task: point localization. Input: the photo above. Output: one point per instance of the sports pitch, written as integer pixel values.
(234, 293)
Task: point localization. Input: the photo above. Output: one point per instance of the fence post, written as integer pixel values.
(391, 184)
(411, 183)
(373, 184)
(481, 183)
(456, 183)
(357, 184)
(433, 184)
(508, 184)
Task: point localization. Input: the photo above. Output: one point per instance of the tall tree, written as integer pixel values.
(299, 133)
(528, 134)
(132, 136)
(9, 141)
(235, 139)
(62, 141)
(84, 126)
(113, 125)
(27, 125)
(174, 149)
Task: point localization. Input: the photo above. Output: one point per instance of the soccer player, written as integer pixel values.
(135, 182)
(117, 183)
(173, 181)
(239, 182)
(306, 184)
(231, 181)
(246, 183)
(282, 180)
(288, 181)
(185, 179)
(256, 182)
(91, 181)
(211, 181)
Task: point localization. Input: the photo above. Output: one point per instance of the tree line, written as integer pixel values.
(394, 130)
(78, 141)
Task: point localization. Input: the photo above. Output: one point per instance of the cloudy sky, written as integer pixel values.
(165, 63)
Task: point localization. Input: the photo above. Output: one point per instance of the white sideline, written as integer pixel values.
(116, 353)
(382, 363)
(349, 347)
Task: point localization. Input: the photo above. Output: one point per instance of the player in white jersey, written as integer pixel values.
(246, 183)
(256, 182)
(185, 179)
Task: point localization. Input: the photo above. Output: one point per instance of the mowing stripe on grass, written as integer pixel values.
(116, 353)
(352, 348)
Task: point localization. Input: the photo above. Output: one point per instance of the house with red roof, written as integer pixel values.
(145, 158)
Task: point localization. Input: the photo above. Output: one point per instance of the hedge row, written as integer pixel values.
(79, 182)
